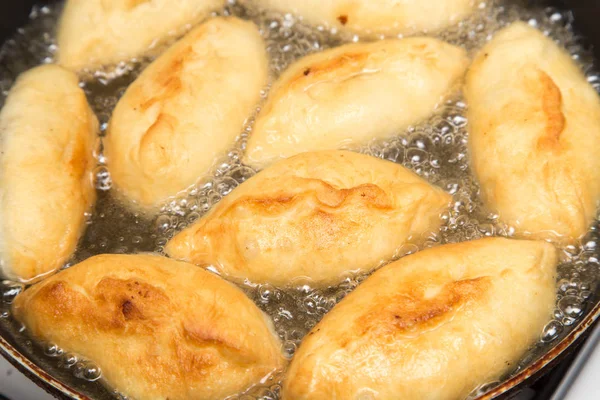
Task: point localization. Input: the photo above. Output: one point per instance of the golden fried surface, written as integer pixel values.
(316, 216)
(353, 93)
(158, 329)
(432, 325)
(48, 133)
(534, 124)
(93, 33)
(185, 110)
(376, 16)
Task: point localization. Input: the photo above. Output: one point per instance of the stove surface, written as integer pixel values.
(15, 386)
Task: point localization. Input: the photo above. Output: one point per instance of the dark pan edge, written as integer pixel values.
(38, 375)
(547, 358)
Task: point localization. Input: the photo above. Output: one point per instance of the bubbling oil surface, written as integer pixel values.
(435, 149)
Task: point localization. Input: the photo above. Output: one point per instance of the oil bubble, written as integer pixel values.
(551, 331)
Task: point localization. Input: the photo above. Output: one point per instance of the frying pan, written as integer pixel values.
(60, 382)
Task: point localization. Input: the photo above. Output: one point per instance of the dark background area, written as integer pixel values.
(13, 14)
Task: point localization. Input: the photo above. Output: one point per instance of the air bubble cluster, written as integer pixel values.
(435, 149)
(81, 368)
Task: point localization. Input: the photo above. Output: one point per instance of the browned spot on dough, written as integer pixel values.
(323, 222)
(203, 334)
(552, 109)
(346, 63)
(156, 148)
(130, 311)
(344, 60)
(369, 193)
(343, 19)
(140, 312)
(206, 334)
(124, 5)
(108, 307)
(76, 155)
(58, 296)
(163, 127)
(168, 80)
(327, 195)
(195, 363)
(325, 229)
(109, 288)
(129, 300)
(411, 311)
(134, 3)
(306, 71)
(156, 142)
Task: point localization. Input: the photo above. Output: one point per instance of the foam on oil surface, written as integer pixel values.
(435, 149)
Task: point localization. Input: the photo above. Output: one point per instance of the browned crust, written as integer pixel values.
(168, 83)
(345, 63)
(135, 309)
(168, 79)
(116, 309)
(320, 223)
(132, 307)
(369, 194)
(412, 311)
(134, 3)
(127, 5)
(552, 110)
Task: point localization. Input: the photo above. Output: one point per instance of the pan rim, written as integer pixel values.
(37, 374)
